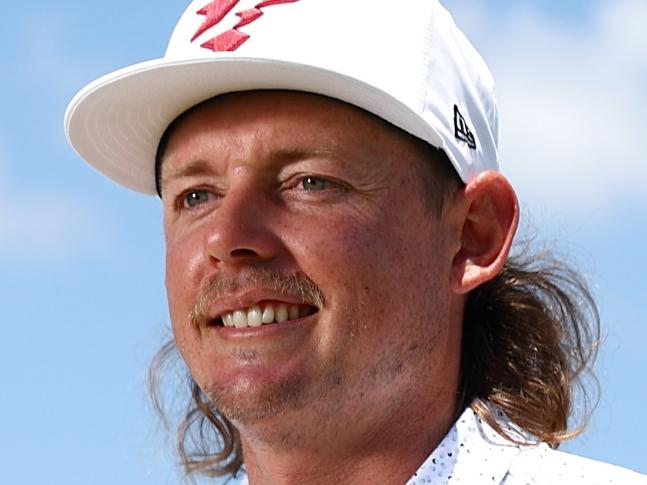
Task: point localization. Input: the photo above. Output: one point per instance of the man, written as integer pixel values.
(337, 240)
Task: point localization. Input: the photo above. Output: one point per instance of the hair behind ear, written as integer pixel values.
(530, 336)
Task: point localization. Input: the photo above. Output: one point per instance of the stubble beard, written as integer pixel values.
(248, 402)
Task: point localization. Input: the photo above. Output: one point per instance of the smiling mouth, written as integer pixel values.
(266, 313)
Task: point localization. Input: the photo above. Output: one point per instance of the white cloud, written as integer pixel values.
(42, 225)
(573, 103)
(623, 25)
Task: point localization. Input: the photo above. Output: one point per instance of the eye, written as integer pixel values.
(314, 183)
(194, 198)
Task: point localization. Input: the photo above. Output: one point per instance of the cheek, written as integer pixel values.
(385, 248)
(378, 262)
(183, 276)
(182, 286)
(327, 247)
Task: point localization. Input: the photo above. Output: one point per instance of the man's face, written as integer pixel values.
(289, 200)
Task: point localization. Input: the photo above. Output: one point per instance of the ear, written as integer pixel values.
(489, 221)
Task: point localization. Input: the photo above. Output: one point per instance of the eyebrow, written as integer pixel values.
(201, 167)
(191, 169)
(292, 154)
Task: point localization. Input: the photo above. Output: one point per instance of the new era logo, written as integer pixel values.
(462, 131)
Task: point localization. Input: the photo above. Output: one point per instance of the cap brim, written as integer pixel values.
(116, 122)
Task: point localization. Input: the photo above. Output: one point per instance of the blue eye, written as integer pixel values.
(314, 183)
(195, 198)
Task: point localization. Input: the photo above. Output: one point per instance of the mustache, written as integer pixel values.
(220, 285)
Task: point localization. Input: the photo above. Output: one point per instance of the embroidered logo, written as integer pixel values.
(462, 131)
(232, 39)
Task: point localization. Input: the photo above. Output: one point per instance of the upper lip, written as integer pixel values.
(249, 298)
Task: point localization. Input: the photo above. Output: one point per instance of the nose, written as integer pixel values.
(240, 230)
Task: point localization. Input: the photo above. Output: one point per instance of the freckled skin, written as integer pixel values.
(380, 360)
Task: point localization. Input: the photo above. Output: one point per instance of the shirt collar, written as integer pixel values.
(471, 452)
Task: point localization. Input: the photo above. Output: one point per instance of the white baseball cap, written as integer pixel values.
(406, 62)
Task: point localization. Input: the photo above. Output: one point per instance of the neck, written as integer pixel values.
(388, 448)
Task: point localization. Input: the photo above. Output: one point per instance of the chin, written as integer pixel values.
(249, 400)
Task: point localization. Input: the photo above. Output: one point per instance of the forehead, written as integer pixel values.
(263, 105)
(283, 117)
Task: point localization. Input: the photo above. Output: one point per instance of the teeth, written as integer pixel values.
(281, 314)
(254, 316)
(268, 314)
(240, 319)
(293, 313)
(271, 313)
(228, 320)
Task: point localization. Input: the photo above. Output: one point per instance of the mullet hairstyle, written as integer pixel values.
(530, 339)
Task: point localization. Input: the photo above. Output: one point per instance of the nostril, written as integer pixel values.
(243, 252)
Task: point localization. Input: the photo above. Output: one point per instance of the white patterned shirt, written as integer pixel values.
(473, 453)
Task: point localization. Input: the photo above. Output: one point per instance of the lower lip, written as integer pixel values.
(265, 330)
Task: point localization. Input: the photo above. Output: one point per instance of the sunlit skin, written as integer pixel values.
(300, 184)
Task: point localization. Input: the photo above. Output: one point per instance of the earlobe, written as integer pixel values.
(489, 222)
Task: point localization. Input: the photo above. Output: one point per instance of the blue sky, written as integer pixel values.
(81, 259)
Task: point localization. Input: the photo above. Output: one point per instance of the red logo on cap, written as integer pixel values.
(234, 38)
